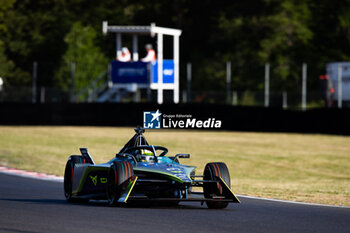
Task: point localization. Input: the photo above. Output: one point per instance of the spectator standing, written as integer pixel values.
(125, 56)
(327, 90)
(151, 54)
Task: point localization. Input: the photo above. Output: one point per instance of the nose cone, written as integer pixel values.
(180, 173)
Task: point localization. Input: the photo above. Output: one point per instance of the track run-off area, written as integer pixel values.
(38, 205)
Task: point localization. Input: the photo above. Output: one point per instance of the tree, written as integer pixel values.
(247, 33)
(82, 51)
(6, 65)
(275, 32)
(287, 31)
(4, 6)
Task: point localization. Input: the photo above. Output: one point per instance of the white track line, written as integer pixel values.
(43, 176)
(292, 202)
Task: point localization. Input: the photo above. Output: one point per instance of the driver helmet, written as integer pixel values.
(146, 152)
(147, 155)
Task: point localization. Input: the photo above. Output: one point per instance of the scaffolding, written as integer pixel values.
(153, 31)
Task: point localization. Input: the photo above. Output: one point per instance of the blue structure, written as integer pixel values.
(141, 72)
(130, 72)
(168, 72)
(158, 75)
(339, 73)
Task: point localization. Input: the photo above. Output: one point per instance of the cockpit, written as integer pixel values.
(147, 153)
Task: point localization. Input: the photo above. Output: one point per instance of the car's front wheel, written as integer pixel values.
(211, 171)
(69, 176)
(119, 176)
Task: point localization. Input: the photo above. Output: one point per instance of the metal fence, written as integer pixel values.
(297, 99)
(291, 100)
(286, 100)
(11, 94)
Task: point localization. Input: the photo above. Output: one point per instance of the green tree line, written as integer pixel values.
(248, 33)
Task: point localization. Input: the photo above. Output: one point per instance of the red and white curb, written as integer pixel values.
(34, 175)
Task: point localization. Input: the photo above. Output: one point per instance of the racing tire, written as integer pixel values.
(118, 176)
(68, 177)
(211, 171)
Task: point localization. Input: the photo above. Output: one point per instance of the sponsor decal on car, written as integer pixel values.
(103, 180)
(94, 179)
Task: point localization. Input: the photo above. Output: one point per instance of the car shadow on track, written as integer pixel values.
(41, 201)
(102, 203)
(153, 205)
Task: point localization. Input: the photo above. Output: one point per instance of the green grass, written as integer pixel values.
(310, 168)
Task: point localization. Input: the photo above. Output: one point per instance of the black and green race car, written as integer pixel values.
(143, 172)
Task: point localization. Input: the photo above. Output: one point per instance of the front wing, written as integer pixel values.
(227, 194)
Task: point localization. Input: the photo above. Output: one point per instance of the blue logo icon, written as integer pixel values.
(151, 120)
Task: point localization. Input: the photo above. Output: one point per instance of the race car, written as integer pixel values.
(143, 172)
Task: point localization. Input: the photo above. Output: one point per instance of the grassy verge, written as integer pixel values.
(310, 168)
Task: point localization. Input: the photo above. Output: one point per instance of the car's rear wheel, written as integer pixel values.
(211, 171)
(118, 176)
(69, 176)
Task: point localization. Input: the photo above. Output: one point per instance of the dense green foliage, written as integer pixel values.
(247, 33)
(6, 66)
(87, 58)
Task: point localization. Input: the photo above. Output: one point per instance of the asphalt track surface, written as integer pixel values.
(30, 205)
